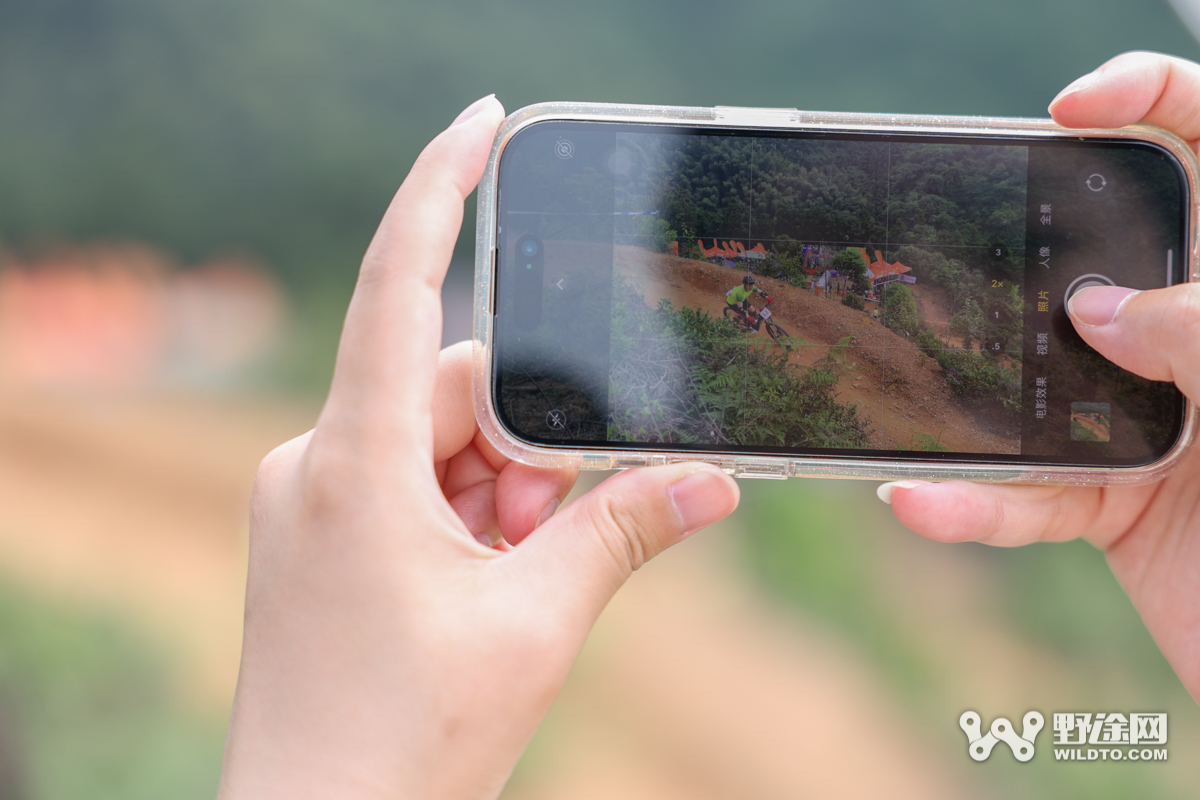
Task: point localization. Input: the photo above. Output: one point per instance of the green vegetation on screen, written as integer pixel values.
(681, 376)
(87, 712)
(864, 193)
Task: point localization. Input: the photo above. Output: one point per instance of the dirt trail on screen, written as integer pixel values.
(899, 389)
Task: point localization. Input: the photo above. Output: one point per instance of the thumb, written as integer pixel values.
(1155, 334)
(582, 555)
(1134, 87)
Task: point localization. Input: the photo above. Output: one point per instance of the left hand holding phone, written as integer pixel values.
(413, 603)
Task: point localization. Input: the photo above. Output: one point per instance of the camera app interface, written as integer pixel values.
(804, 293)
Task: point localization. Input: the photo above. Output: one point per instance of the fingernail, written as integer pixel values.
(547, 512)
(472, 109)
(700, 499)
(484, 539)
(885, 489)
(1077, 85)
(1098, 305)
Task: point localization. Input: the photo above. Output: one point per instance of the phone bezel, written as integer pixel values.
(782, 466)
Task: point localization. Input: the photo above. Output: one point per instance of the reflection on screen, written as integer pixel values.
(885, 311)
(810, 294)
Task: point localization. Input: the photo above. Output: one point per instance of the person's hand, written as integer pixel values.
(397, 643)
(1151, 534)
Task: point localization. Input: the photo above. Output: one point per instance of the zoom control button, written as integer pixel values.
(1084, 281)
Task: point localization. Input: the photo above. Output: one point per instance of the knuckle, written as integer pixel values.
(277, 464)
(377, 264)
(992, 521)
(624, 531)
(327, 472)
(1183, 315)
(273, 482)
(284, 454)
(1056, 518)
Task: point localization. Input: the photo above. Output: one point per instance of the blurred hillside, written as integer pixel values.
(283, 126)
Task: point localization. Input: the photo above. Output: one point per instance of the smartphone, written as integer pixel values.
(791, 293)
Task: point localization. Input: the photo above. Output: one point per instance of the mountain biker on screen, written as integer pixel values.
(739, 298)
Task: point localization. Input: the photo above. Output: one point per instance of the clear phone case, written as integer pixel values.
(764, 466)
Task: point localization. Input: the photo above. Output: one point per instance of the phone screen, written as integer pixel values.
(805, 293)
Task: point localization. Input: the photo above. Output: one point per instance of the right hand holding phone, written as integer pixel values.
(1151, 533)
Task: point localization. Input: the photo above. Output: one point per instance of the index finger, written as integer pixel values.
(388, 355)
(1008, 516)
(1152, 88)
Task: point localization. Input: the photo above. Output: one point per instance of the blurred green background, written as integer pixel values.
(275, 131)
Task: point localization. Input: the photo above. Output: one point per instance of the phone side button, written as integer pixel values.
(630, 462)
(596, 462)
(764, 471)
